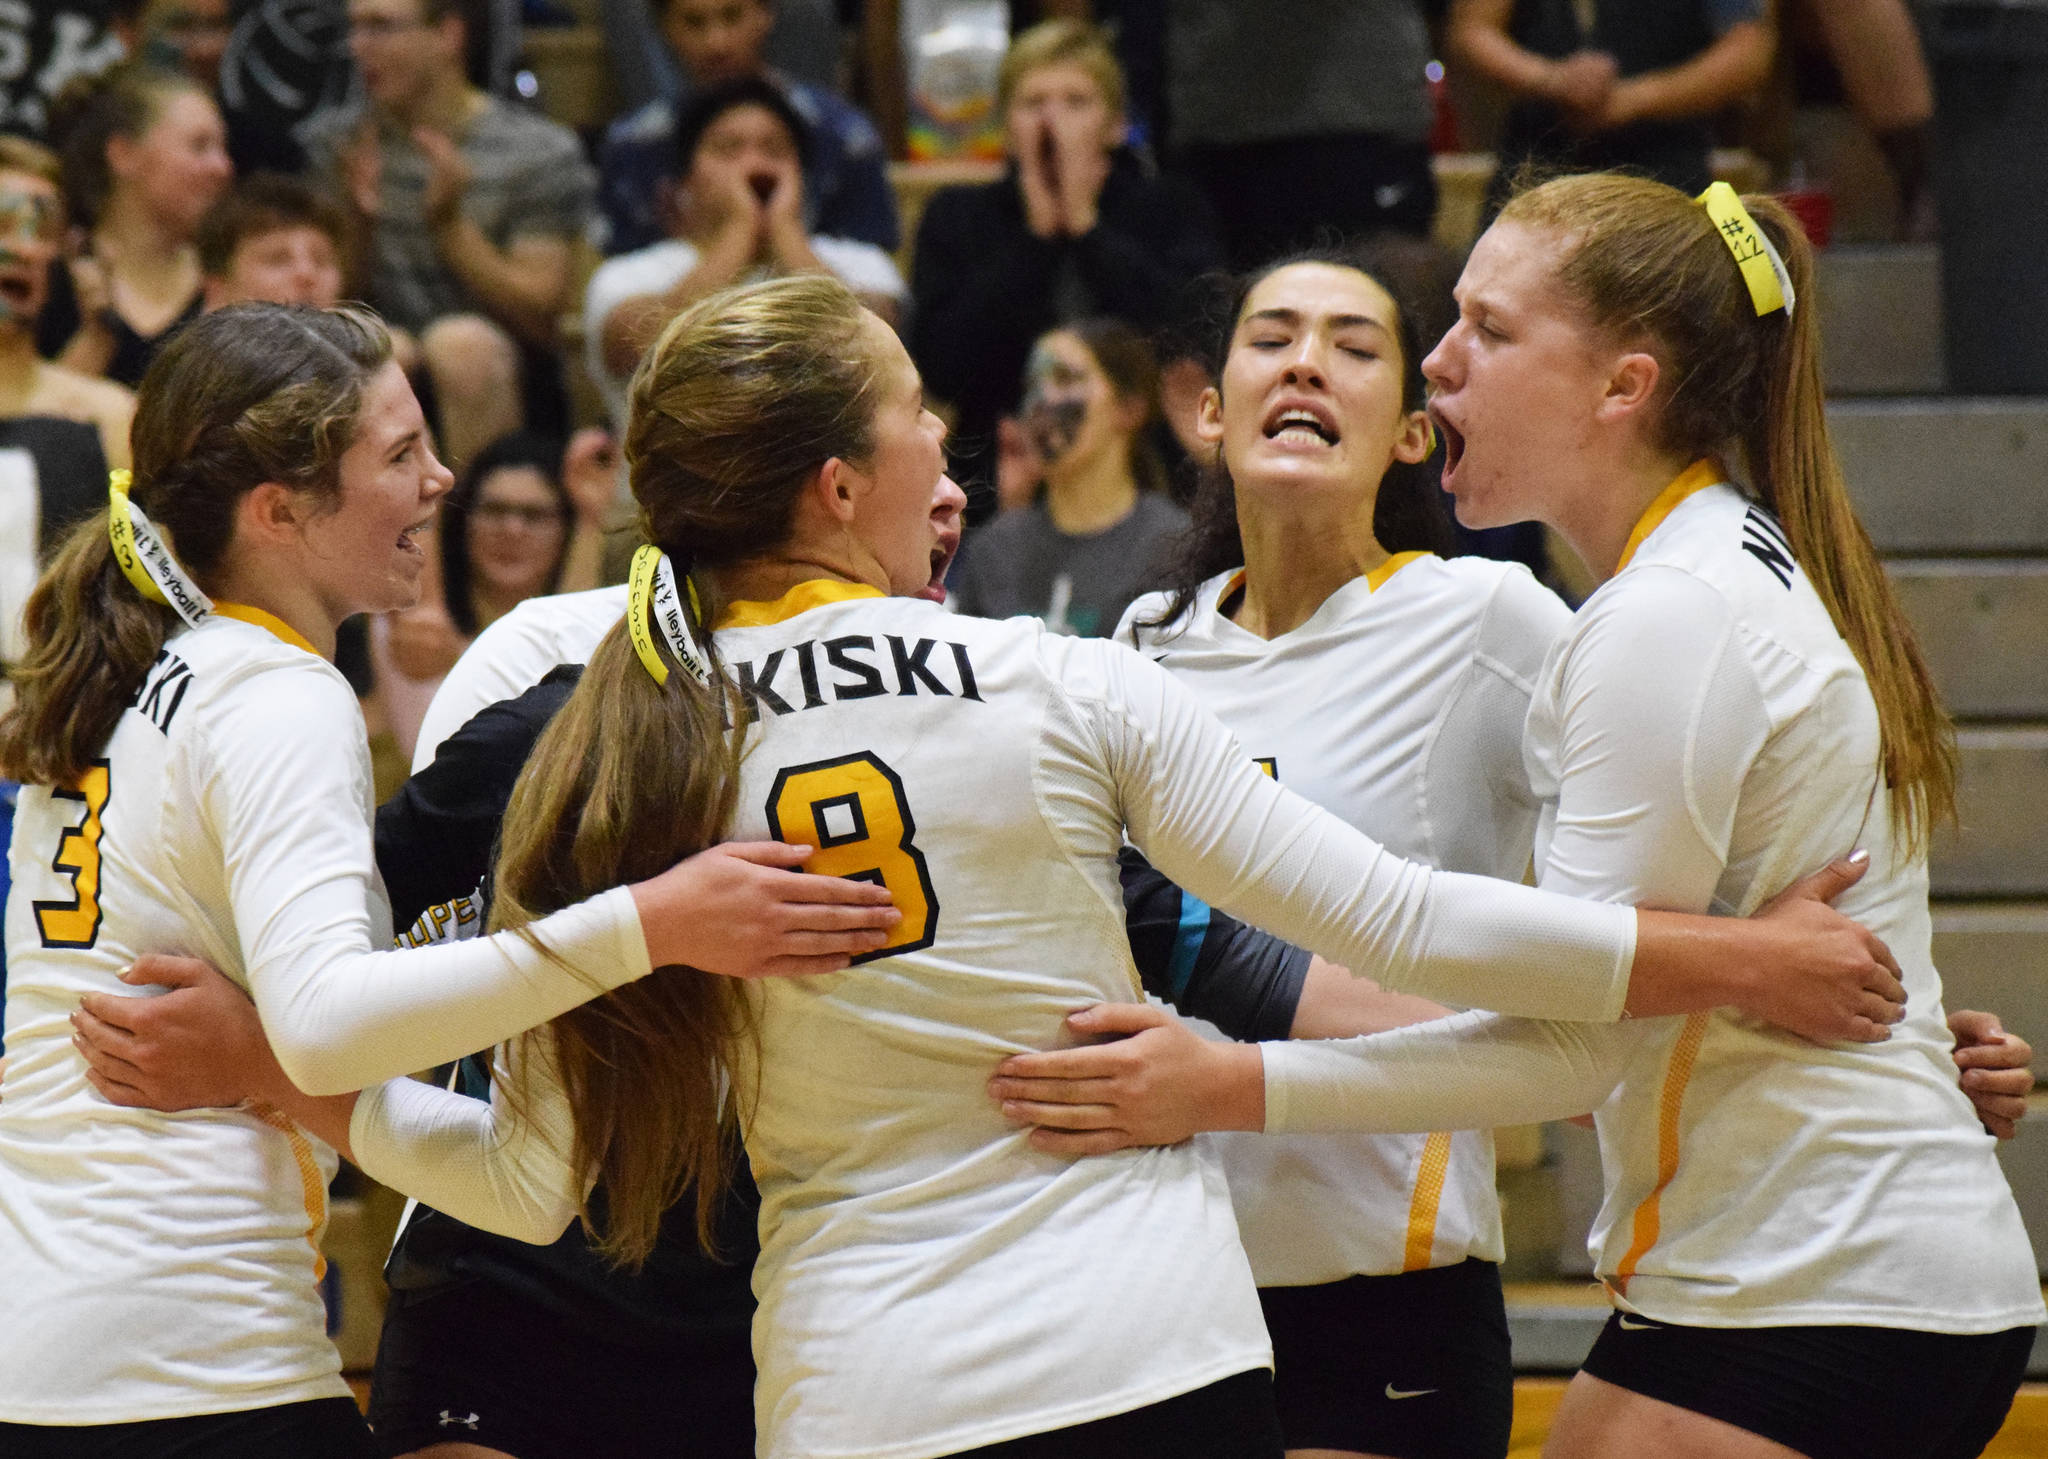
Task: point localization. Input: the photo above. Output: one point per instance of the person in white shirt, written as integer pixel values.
(1310, 613)
(197, 781)
(1810, 1246)
(930, 1284)
(737, 214)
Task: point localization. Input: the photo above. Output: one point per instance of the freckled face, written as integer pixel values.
(1515, 383)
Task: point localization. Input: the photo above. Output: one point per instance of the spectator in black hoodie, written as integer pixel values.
(1077, 227)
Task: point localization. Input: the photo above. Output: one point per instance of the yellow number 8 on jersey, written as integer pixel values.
(852, 809)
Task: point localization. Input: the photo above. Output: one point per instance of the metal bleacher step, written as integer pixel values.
(1983, 624)
(1880, 315)
(1995, 955)
(2002, 801)
(1945, 476)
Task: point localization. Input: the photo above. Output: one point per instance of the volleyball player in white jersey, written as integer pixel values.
(198, 782)
(929, 1284)
(1811, 1247)
(1388, 685)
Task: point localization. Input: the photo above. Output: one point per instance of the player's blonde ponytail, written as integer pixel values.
(743, 399)
(248, 394)
(1647, 264)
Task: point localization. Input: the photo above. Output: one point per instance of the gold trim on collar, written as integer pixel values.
(243, 613)
(800, 599)
(1695, 479)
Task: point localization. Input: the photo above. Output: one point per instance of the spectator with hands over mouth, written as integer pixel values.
(1077, 228)
(737, 214)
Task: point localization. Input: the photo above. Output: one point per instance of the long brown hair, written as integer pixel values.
(742, 399)
(1408, 514)
(245, 395)
(1646, 263)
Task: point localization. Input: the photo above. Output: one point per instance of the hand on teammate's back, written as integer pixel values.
(1996, 1069)
(1832, 979)
(197, 1045)
(746, 909)
(1157, 1082)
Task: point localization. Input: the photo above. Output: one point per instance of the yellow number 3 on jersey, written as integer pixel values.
(76, 923)
(852, 809)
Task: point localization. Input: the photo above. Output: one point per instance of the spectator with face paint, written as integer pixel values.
(1086, 511)
(60, 431)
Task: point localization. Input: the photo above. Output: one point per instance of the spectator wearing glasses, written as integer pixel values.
(526, 518)
(471, 210)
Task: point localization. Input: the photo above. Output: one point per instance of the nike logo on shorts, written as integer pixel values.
(1400, 1393)
(1627, 1326)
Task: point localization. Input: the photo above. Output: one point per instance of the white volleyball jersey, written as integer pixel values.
(154, 1265)
(162, 1265)
(1398, 706)
(514, 654)
(929, 1282)
(1704, 737)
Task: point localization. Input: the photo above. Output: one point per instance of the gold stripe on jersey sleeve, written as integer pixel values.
(311, 1186)
(1429, 1191)
(1694, 479)
(800, 599)
(1649, 1214)
(243, 613)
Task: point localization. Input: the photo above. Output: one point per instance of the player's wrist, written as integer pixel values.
(1236, 1091)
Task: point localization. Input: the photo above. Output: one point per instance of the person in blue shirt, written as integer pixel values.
(846, 186)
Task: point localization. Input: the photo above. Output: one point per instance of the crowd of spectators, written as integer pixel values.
(159, 158)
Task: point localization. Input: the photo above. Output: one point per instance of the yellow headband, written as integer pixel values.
(145, 558)
(651, 593)
(1770, 286)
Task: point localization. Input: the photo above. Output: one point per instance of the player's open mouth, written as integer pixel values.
(409, 539)
(942, 558)
(1454, 444)
(16, 292)
(1303, 423)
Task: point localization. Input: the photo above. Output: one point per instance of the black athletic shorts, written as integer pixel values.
(1828, 1392)
(1415, 1366)
(321, 1428)
(1231, 1419)
(473, 1363)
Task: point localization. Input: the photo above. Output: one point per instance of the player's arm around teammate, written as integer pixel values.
(641, 762)
(1740, 694)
